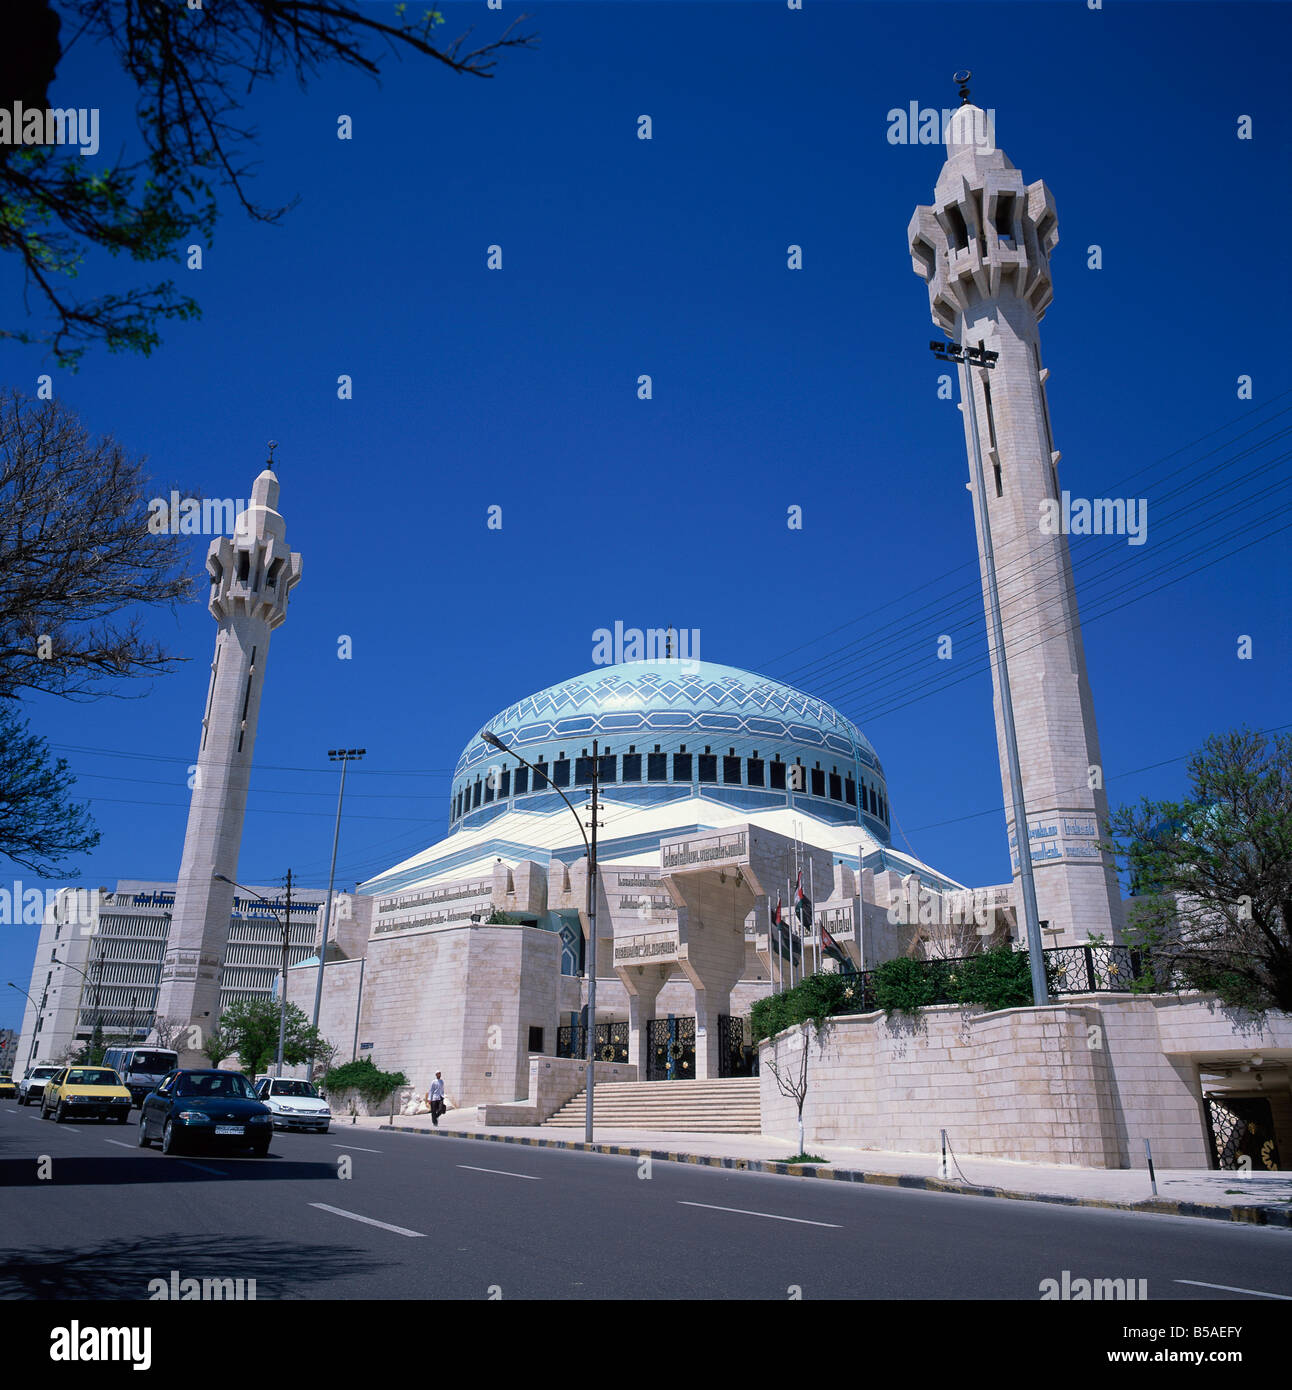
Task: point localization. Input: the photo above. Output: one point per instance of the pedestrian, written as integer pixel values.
(436, 1094)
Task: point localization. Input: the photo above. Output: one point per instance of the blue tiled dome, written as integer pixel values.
(713, 730)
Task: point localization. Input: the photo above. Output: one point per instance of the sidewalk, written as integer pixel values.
(1258, 1198)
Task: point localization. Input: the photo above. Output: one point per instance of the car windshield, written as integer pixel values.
(229, 1085)
(295, 1088)
(42, 1072)
(153, 1063)
(92, 1076)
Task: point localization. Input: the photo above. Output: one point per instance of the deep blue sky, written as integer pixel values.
(771, 388)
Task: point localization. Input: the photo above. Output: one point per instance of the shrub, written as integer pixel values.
(999, 979)
(362, 1076)
(905, 986)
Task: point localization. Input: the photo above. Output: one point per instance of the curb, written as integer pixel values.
(1154, 1206)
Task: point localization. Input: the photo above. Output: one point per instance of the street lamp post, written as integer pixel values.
(98, 984)
(344, 756)
(591, 846)
(287, 928)
(968, 358)
(40, 1009)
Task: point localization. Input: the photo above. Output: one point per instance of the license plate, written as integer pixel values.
(228, 1129)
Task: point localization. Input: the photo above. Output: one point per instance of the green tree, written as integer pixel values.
(39, 824)
(250, 1028)
(190, 68)
(1213, 873)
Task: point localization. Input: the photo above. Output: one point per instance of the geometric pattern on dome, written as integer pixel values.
(646, 695)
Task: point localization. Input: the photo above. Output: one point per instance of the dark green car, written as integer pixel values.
(215, 1110)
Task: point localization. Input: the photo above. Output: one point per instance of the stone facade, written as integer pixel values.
(1083, 1082)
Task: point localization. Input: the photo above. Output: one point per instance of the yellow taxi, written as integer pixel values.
(77, 1092)
(7, 1089)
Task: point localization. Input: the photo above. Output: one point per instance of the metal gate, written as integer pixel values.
(733, 1053)
(1242, 1133)
(670, 1049)
(611, 1042)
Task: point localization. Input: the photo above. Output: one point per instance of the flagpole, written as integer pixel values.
(816, 939)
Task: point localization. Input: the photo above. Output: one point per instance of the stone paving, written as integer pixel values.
(1258, 1198)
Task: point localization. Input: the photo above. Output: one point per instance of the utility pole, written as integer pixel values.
(282, 1003)
(344, 756)
(592, 944)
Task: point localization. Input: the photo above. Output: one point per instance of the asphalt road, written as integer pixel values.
(435, 1218)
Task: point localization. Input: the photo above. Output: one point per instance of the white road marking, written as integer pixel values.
(368, 1221)
(1229, 1288)
(121, 1143)
(218, 1173)
(502, 1172)
(770, 1216)
(358, 1149)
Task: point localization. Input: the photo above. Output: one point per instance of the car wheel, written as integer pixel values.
(144, 1141)
(260, 1150)
(170, 1143)
(60, 1114)
(22, 1100)
(124, 1119)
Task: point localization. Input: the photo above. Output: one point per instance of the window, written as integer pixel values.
(777, 770)
(561, 772)
(708, 767)
(540, 776)
(731, 770)
(582, 771)
(818, 782)
(754, 768)
(522, 780)
(632, 767)
(488, 787)
(874, 802)
(681, 767)
(504, 783)
(850, 791)
(535, 1039)
(657, 767)
(475, 799)
(836, 787)
(606, 770)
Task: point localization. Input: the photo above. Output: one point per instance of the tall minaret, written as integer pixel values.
(984, 248)
(252, 574)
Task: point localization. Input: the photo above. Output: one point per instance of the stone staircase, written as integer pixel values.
(726, 1106)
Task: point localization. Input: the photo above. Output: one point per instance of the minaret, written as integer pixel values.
(252, 574)
(983, 249)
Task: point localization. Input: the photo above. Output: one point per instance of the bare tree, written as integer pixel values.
(75, 551)
(186, 65)
(166, 1031)
(792, 1074)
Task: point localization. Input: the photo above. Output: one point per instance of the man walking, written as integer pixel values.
(436, 1094)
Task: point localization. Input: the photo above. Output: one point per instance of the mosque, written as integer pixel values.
(720, 793)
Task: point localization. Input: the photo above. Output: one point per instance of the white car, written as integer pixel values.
(32, 1087)
(295, 1104)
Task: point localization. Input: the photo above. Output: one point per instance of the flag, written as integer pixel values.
(787, 944)
(802, 904)
(832, 949)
